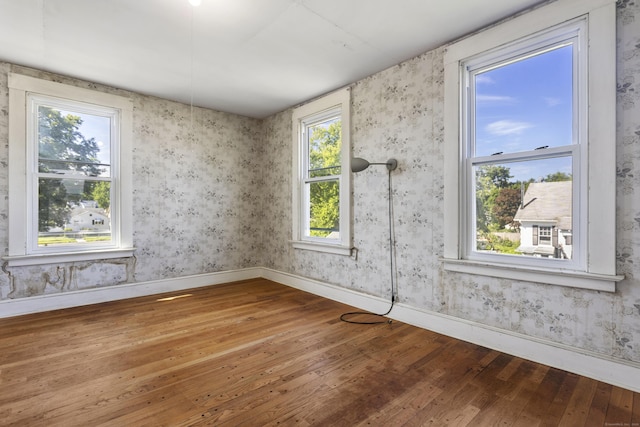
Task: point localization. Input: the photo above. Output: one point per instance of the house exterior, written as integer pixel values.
(88, 219)
(545, 220)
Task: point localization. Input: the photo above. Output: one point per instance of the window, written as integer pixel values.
(521, 129)
(544, 234)
(321, 191)
(70, 173)
(522, 125)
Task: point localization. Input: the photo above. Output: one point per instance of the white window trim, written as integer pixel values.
(599, 272)
(575, 33)
(547, 235)
(339, 99)
(19, 87)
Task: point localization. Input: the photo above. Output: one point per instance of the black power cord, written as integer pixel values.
(344, 316)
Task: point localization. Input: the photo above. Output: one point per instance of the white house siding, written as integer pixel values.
(89, 219)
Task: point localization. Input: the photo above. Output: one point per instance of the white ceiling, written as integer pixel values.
(250, 57)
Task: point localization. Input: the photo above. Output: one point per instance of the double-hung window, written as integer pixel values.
(524, 124)
(321, 177)
(530, 154)
(69, 170)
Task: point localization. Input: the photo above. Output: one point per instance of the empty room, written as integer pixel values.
(320, 213)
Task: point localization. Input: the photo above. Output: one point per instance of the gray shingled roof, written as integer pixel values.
(547, 201)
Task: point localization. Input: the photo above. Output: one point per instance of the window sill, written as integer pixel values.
(574, 279)
(322, 247)
(62, 257)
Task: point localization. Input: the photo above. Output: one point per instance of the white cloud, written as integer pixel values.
(495, 99)
(484, 79)
(507, 127)
(552, 102)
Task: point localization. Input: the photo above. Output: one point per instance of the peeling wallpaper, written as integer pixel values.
(195, 197)
(213, 193)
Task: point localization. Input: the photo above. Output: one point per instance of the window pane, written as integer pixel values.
(324, 209)
(325, 142)
(72, 143)
(72, 211)
(525, 104)
(544, 236)
(525, 208)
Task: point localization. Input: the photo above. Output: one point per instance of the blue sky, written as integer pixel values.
(525, 105)
(97, 127)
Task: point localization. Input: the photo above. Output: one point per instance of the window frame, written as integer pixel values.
(23, 250)
(544, 235)
(596, 199)
(571, 33)
(336, 104)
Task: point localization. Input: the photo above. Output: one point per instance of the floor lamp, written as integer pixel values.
(358, 165)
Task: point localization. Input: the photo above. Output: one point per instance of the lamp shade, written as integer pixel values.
(358, 164)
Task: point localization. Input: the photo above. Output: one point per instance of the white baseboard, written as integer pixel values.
(625, 374)
(41, 303)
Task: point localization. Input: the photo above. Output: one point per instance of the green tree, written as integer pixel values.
(325, 144)
(490, 179)
(101, 193)
(52, 204)
(62, 149)
(557, 177)
(62, 146)
(505, 206)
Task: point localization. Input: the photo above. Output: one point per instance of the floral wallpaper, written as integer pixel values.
(398, 113)
(195, 197)
(195, 190)
(213, 193)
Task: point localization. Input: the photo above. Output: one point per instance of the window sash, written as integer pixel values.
(307, 179)
(34, 102)
(307, 229)
(571, 33)
(335, 105)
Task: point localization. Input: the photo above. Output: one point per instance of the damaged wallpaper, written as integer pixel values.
(195, 195)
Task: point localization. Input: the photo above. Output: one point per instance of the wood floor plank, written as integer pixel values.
(403, 408)
(619, 411)
(599, 404)
(635, 413)
(259, 353)
(542, 397)
(577, 409)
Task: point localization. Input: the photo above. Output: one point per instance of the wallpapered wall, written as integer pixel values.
(213, 193)
(398, 113)
(195, 201)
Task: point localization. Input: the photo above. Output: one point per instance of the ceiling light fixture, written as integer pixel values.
(195, 2)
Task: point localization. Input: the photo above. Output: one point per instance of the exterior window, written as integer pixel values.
(544, 236)
(322, 190)
(522, 144)
(522, 141)
(72, 147)
(72, 181)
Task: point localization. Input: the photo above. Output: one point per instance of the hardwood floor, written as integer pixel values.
(258, 353)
